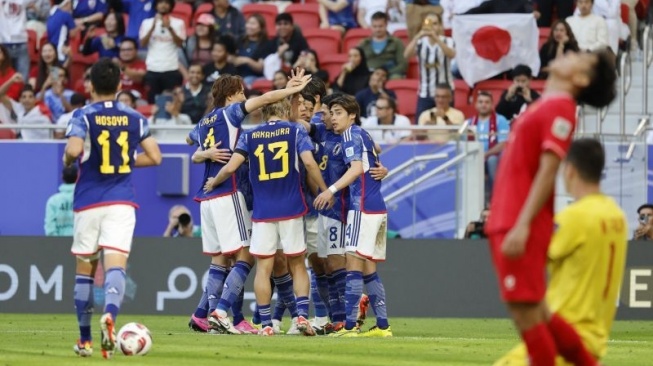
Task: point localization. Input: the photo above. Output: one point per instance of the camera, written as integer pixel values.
(184, 219)
(519, 90)
(478, 232)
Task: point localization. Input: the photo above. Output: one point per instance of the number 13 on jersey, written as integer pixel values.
(280, 151)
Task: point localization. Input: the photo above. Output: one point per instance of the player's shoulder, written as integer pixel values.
(351, 132)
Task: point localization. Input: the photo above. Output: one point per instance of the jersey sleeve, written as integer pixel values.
(77, 126)
(303, 141)
(144, 128)
(193, 135)
(352, 143)
(242, 145)
(559, 130)
(567, 237)
(236, 114)
(318, 132)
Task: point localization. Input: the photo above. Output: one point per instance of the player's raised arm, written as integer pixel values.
(276, 95)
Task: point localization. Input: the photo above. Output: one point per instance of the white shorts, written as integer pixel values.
(266, 237)
(311, 229)
(367, 235)
(226, 224)
(104, 227)
(331, 238)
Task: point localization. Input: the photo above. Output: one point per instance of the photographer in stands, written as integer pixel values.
(476, 229)
(180, 223)
(644, 230)
(519, 95)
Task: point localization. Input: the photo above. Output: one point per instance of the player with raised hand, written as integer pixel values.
(586, 257)
(103, 136)
(521, 223)
(366, 220)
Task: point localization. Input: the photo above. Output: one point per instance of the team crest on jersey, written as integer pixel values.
(108, 104)
(561, 128)
(349, 152)
(337, 149)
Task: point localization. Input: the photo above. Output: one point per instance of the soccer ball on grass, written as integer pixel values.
(134, 339)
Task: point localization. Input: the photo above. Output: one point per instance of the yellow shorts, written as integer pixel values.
(519, 357)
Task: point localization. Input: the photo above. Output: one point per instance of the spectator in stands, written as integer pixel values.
(309, 61)
(229, 21)
(644, 229)
(633, 22)
(280, 80)
(37, 15)
(564, 8)
(59, 207)
(492, 131)
(76, 101)
(219, 65)
(195, 94)
(434, 54)
(253, 48)
(441, 115)
(106, 45)
(503, 7)
(57, 97)
(127, 98)
(386, 115)
(590, 30)
(7, 116)
(453, 7)
(383, 50)
(87, 13)
(6, 73)
(171, 116)
(355, 73)
(162, 35)
(180, 223)
(610, 11)
(367, 97)
(27, 112)
(415, 10)
(289, 42)
(13, 33)
(132, 68)
(48, 69)
(337, 14)
(519, 95)
(561, 40)
(476, 229)
(138, 11)
(396, 10)
(198, 47)
(61, 26)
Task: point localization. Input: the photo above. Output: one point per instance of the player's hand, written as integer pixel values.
(512, 90)
(526, 93)
(379, 171)
(299, 86)
(295, 78)
(210, 184)
(219, 155)
(324, 200)
(514, 244)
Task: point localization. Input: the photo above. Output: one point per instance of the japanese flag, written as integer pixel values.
(488, 44)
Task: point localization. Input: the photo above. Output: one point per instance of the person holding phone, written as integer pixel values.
(644, 229)
(519, 95)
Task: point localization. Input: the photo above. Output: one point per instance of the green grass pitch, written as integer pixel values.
(48, 340)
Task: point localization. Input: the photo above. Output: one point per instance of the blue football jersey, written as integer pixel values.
(365, 192)
(333, 167)
(111, 131)
(219, 125)
(273, 149)
(245, 186)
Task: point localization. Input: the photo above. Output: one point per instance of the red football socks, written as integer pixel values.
(569, 344)
(541, 346)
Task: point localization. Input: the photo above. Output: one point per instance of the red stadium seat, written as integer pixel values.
(268, 11)
(625, 16)
(332, 63)
(354, 36)
(183, 11)
(413, 68)
(641, 9)
(538, 85)
(145, 110)
(7, 134)
(469, 111)
(323, 41)
(32, 46)
(544, 35)
(305, 16)
(461, 94)
(494, 87)
(262, 85)
(403, 35)
(406, 91)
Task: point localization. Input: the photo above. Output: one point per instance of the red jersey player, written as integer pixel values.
(521, 224)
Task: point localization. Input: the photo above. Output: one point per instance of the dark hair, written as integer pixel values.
(27, 88)
(349, 104)
(283, 17)
(384, 69)
(646, 205)
(551, 45)
(43, 69)
(263, 35)
(314, 88)
(77, 99)
(105, 77)
(6, 60)
(327, 99)
(391, 102)
(196, 64)
(132, 40)
(225, 86)
(601, 90)
(483, 93)
(129, 94)
(444, 86)
(170, 2)
(379, 15)
(317, 59)
(521, 70)
(69, 174)
(120, 22)
(588, 157)
(362, 67)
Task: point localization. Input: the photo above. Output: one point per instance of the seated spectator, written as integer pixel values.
(434, 54)
(441, 115)
(383, 50)
(138, 11)
(644, 229)
(60, 26)
(57, 97)
(87, 13)
(170, 115)
(280, 80)
(253, 48)
(395, 9)
(452, 7)
(610, 11)
(76, 101)
(40, 77)
(386, 115)
(492, 131)
(127, 98)
(476, 229)
(228, 20)
(561, 40)
(37, 13)
(180, 223)
(590, 30)
(564, 9)
(308, 61)
(28, 112)
(355, 73)
(290, 41)
(162, 36)
(199, 46)
(132, 68)
(195, 94)
(7, 72)
(59, 207)
(106, 45)
(219, 64)
(367, 97)
(519, 95)
(502, 7)
(337, 14)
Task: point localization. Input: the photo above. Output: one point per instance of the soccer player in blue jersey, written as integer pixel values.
(103, 137)
(225, 225)
(275, 150)
(366, 220)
